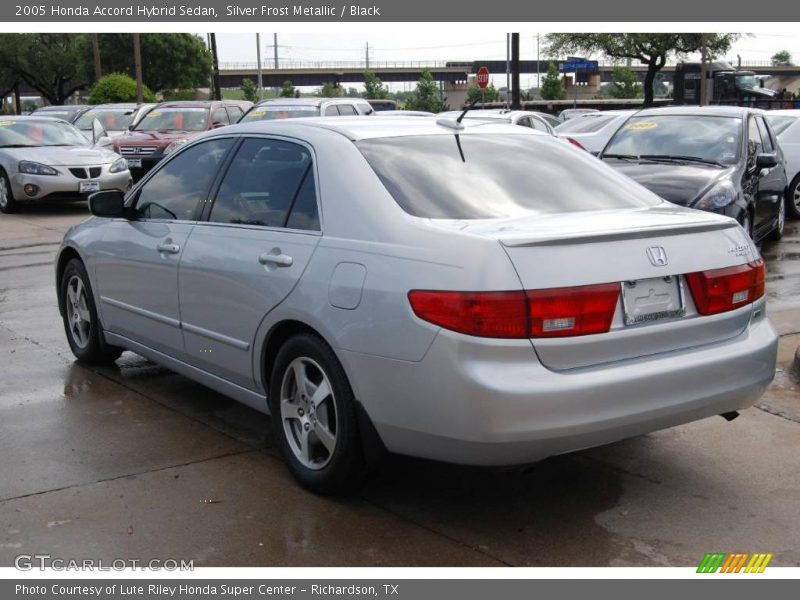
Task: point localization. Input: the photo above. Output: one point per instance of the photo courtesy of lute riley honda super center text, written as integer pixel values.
(186, 10)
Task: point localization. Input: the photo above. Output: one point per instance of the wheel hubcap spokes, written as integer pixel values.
(797, 195)
(3, 192)
(78, 315)
(308, 413)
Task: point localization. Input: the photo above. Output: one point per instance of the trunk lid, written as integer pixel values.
(566, 250)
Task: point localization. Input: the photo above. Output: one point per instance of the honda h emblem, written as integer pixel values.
(657, 256)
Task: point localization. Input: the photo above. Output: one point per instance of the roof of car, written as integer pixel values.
(61, 107)
(359, 128)
(714, 111)
(33, 118)
(488, 113)
(786, 112)
(306, 101)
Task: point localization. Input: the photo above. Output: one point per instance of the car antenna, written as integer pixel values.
(466, 110)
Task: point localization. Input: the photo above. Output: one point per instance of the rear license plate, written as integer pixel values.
(134, 163)
(89, 186)
(647, 300)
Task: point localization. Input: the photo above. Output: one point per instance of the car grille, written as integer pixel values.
(81, 173)
(137, 150)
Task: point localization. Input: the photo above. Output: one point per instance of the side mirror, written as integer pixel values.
(109, 204)
(98, 131)
(131, 126)
(766, 160)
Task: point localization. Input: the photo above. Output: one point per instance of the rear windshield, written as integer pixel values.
(779, 123)
(587, 124)
(269, 113)
(481, 176)
(110, 118)
(175, 119)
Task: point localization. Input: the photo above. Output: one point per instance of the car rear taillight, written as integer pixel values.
(722, 290)
(575, 142)
(556, 312)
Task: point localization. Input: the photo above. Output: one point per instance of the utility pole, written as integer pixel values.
(275, 54)
(367, 56)
(508, 68)
(703, 68)
(217, 95)
(538, 76)
(98, 68)
(259, 87)
(515, 97)
(137, 65)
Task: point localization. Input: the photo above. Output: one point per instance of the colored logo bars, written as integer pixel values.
(734, 563)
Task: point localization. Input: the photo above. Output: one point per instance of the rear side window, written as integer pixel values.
(331, 111)
(235, 113)
(585, 124)
(347, 110)
(479, 176)
(262, 183)
(220, 116)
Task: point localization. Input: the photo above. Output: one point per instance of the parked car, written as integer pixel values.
(116, 119)
(42, 158)
(407, 113)
(593, 130)
(382, 104)
(553, 121)
(474, 293)
(722, 159)
(291, 108)
(786, 125)
(65, 112)
(168, 126)
(524, 118)
(571, 113)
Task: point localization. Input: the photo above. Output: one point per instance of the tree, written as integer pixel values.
(329, 90)
(624, 83)
(426, 95)
(249, 90)
(352, 92)
(51, 63)
(552, 86)
(651, 49)
(117, 87)
(373, 87)
(475, 93)
(782, 59)
(170, 60)
(288, 90)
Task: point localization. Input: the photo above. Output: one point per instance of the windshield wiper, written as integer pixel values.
(681, 158)
(18, 146)
(622, 156)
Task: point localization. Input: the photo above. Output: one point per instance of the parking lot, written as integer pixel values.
(137, 462)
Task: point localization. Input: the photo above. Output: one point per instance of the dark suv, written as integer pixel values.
(169, 125)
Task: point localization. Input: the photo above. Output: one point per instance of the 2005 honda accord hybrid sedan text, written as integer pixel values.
(475, 293)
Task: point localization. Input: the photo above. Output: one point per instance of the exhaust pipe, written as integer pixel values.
(730, 416)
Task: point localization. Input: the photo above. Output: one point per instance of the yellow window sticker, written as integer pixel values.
(6, 123)
(641, 126)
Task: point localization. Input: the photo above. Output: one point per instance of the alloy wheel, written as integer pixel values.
(796, 195)
(782, 215)
(309, 413)
(78, 316)
(3, 193)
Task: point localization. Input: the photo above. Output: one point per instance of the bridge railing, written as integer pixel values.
(268, 65)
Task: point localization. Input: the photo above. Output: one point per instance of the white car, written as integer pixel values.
(786, 125)
(593, 130)
(523, 118)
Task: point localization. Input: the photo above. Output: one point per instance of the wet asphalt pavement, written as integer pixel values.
(138, 462)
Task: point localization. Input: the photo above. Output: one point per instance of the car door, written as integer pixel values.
(772, 187)
(760, 182)
(247, 254)
(137, 261)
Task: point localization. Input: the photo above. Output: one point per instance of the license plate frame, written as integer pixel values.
(652, 300)
(134, 163)
(88, 187)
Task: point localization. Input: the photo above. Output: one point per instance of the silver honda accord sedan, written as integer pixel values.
(467, 292)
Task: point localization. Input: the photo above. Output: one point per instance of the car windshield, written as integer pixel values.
(175, 119)
(110, 118)
(779, 123)
(702, 137)
(746, 81)
(479, 176)
(268, 113)
(585, 124)
(33, 132)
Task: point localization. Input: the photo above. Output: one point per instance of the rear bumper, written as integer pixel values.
(490, 402)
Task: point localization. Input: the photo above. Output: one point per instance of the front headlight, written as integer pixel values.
(33, 168)
(719, 196)
(174, 146)
(118, 166)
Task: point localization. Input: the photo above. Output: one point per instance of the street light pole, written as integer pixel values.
(260, 86)
(703, 68)
(137, 65)
(538, 76)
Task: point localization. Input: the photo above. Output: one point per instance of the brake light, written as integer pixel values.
(556, 312)
(575, 142)
(722, 290)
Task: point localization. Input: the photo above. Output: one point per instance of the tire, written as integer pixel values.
(777, 233)
(793, 198)
(8, 204)
(318, 437)
(81, 324)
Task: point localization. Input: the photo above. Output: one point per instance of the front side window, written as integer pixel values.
(347, 110)
(754, 143)
(220, 117)
(477, 176)
(765, 137)
(701, 137)
(175, 190)
(331, 111)
(263, 183)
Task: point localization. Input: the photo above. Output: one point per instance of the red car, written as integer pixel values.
(169, 125)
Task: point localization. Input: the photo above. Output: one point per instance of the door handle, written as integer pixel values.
(168, 248)
(277, 260)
